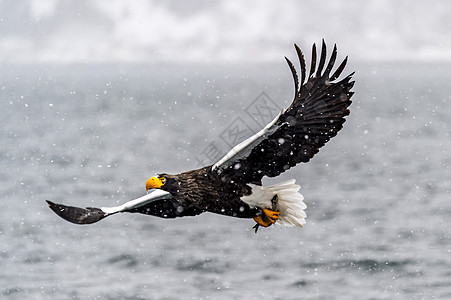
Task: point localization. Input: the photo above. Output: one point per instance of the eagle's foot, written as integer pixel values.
(266, 219)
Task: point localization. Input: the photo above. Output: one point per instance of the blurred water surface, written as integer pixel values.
(378, 194)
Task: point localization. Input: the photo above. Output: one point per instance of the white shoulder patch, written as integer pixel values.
(244, 148)
(138, 202)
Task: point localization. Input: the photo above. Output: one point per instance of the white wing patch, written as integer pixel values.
(244, 148)
(138, 202)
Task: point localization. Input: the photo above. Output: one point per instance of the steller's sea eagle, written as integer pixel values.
(233, 185)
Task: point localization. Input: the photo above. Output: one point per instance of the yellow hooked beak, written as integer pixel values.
(155, 183)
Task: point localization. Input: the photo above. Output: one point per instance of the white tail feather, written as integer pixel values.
(290, 201)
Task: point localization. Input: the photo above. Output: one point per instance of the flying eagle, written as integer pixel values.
(233, 185)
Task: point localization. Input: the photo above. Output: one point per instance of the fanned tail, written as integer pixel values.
(289, 201)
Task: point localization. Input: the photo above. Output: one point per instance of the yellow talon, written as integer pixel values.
(271, 214)
(270, 217)
(259, 221)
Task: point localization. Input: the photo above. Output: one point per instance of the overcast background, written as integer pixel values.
(82, 31)
(97, 96)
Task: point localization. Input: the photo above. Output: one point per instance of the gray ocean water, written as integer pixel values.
(378, 194)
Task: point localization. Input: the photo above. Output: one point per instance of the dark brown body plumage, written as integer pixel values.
(199, 191)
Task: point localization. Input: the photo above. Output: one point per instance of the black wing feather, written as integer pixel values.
(77, 215)
(302, 63)
(340, 69)
(331, 63)
(295, 75)
(168, 209)
(313, 63)
(322, 60)
(316, 114)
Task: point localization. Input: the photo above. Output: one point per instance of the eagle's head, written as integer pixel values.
(155, 182)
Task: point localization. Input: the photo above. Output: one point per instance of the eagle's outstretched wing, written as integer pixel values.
(157, 202)
(296, 134)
